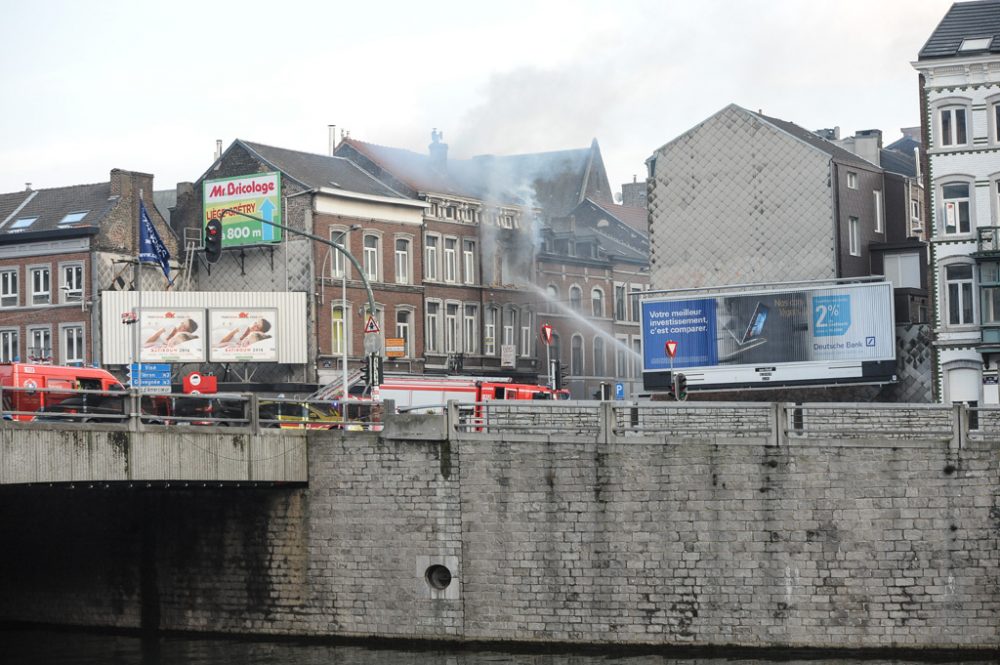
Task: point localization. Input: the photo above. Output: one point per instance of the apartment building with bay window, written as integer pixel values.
(59, 249)
(959, 71)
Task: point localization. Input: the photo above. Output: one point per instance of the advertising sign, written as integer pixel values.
(172, 335)
(242, 335)
(807, 335)
(258, 195)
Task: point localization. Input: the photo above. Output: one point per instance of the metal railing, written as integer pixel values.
(130, 408)
(736, 422)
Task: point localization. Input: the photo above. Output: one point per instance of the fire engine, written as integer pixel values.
(29, 389)
(430, 394)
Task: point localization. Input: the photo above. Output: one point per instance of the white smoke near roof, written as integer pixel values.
(526, 108)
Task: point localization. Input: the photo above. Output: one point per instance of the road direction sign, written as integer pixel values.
(372, 325)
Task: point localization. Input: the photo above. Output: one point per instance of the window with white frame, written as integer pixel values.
(598, 356)
(71, 282)
(402, 261)
(470, 329)
(371, 257)
(575, 298)
(469, 261)
(996, 122)
(552, 294)
(450, 259)
(633, 314)
(508, 326)
(40, 344)
(403, 317)
(431, 257)
(338, 262)
(576, 355)
(621, 357)
(957, 219)
(852, 180)
(597, 303)
(338, 331)
(952, 126)
(915, 215)
(8, 288)
(526, 336)
(9, 345)
(854, 236)
(41, 289)
(879, 222)
(958, 290)
(72, 346)
(433, 332)
(490, 331)
(620, 303)
(903, 270)
(450, 327)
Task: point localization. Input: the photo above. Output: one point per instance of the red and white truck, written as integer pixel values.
(431, 394)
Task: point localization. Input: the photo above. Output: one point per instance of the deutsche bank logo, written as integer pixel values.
(870, 341)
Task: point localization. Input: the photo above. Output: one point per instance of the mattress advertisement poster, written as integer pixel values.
(771, 336)
(243, 335)
(172, 335)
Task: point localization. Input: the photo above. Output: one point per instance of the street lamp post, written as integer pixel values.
(343, 311)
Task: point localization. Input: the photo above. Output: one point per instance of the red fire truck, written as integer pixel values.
(430, 394)
(29, 389)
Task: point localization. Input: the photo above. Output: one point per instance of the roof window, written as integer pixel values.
(977, 44)
(22, 223)
(73, 217)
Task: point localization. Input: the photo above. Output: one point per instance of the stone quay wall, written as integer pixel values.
(617, 532)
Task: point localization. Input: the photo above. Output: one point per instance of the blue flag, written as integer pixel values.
(151, 248)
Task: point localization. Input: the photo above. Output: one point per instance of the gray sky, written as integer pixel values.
(150, 86)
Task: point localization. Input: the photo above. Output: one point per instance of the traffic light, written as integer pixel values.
(366, 371)
(680, 387)
(213, 240)
(560, 373)
(375, 369)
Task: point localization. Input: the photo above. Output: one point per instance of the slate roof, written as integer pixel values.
(50, 206)
(803, 134)
(899, 162)
(315, 170)
(965, 20)
(556, 181)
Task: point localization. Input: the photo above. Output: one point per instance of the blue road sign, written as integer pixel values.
(619, 391)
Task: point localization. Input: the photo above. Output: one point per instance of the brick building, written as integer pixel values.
(59, 249)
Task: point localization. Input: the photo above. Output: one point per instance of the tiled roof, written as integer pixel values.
(899, 162)
(835, 151)
(314, 170)
(50, 207)
(965, 20)
(555, 181)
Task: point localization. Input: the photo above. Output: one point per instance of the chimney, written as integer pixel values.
(438, 151)
(218, 148)
(27, 186)
(332, 138)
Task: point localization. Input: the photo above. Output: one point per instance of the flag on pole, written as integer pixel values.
(151, 248)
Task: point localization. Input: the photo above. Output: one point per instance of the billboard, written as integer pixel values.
(258, 194)
(242, 335)
(172, 335)
(814, 335)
